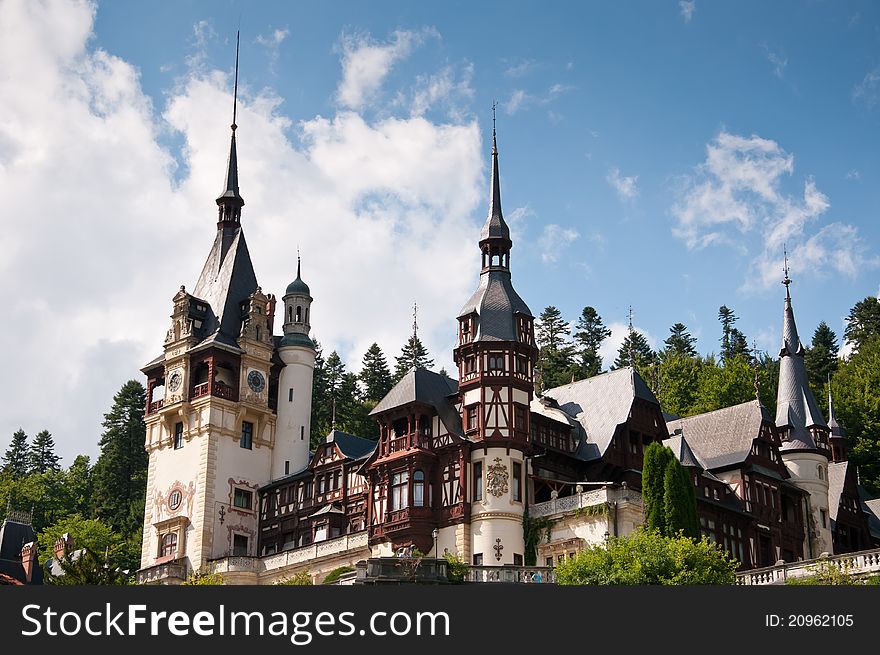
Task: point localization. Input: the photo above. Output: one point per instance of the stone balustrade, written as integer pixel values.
(578, 501)
(513, 574)
(864, 562)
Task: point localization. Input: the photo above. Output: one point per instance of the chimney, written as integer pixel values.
(63, 545)
(270, 313)
(29, 560)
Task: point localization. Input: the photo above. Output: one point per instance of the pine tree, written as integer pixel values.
(863, 322)
(41, 456)
(634, 351)
(680, 341)
(412, 354)
(654, 463)
(589, 334)
(555, 355)
(727, 318)
(78, 486)
(15, 461)
(820, 358)
(120, 474)
(375, 377)
(322, 400)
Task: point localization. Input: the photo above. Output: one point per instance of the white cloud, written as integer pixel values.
(516, 221)
(853, 174)
(443, 88)
(687, 8)
(520, 68)
(521, 99)
(868, 90)
(736, 197)
(554, 241)
(203, 32)
(624, 186)
(97, 259)
(272, 42)
(366, 63)
(777, 59)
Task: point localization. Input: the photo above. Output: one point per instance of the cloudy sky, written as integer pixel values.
(654, 154)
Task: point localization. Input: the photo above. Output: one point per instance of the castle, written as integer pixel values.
(232, 486)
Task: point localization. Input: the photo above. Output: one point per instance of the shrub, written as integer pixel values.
(301, 579)
(456, 568)
(333, 576)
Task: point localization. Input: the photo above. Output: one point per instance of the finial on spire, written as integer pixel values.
(235, 86)
(785, 280)
(415, 353)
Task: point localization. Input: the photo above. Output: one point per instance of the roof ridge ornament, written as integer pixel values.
(230, 201)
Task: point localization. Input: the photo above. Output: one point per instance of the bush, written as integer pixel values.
(456, 568)
(648, 558)
(301, 579)
(334, 575)
(829, 573)
(203, 578)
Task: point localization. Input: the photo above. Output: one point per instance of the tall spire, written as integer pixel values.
(495, 240)
(230, 202)
(837, 438)
(796, 407)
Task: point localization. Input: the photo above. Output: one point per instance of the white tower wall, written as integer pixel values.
(294, 410)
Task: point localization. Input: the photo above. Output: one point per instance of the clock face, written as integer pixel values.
(256, 381)
(174, 381)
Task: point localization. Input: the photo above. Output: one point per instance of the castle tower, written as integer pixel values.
(804, 433)
(496, 356)
(838, 438)
(295, 384)
(209, 417)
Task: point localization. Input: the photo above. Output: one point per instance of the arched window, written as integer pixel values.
(289, 314)
(299, 311)
(169, 544)
(821, 472)
(418, 489)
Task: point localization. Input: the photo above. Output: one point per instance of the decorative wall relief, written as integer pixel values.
(497, 478)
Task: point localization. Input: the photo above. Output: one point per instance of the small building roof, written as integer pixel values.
(424, 386)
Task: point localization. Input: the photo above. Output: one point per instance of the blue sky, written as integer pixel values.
(653, 154)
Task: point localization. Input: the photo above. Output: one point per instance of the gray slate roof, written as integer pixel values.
(723, 437)
(682, 451)
(496, 303)
(424, 386)
(599, 404)
(352, 446)
(795, 405)
(13, 536)
(227, 280)
(495, 227)
(836, 480)
(872, 508)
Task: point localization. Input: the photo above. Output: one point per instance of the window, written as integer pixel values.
(399, 496)
(522, 366)
(519, 417)
(824, 514)
(517, 482)
(496, 362)
(242, 498)
(174, 499)
(290, 395)
(299, 314)
(470, 364)
(321, 485)
(239, 545)
(517, 559)
(286, 467)
(472, 418)
(302, 432)
(478, 481)
(178, 436)
(247, 435)
(478, 559)
(419, 489)
(548, 561)
(168, 544)
(820, 472)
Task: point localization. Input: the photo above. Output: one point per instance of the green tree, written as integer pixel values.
(301, 579)
(820, 359)
(412, 354)
(863, 322)
(120, 474)
(203, 578)
(87, 567)
(680, 342)
(856, 388)
(724, 386)
(645, 557)
(41, 456)
(15, 460)
(679, 501)
(78, 486)
(335, 574)
(727, 318)
(89, 533)
(556, 355)
(375, 377)
(654, 464)
(589, 334)
(634, 351)
(322, 399)
(43, 494)
(678, 380)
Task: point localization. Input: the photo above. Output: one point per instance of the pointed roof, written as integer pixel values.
(836, 428)
(298, 287)
(424, 386)
(682, 451)
(496, 302)
(230, 194)
(796, 407)
(495, 227)
(227, 280)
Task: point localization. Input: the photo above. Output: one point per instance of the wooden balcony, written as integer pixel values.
(218, 390)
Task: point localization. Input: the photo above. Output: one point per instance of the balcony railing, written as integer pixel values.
(861, 563)
(300, 555)
(156, 406)
(173, 572)
(218, 389)
(513, 574)
(584, 499)
(200, 390)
